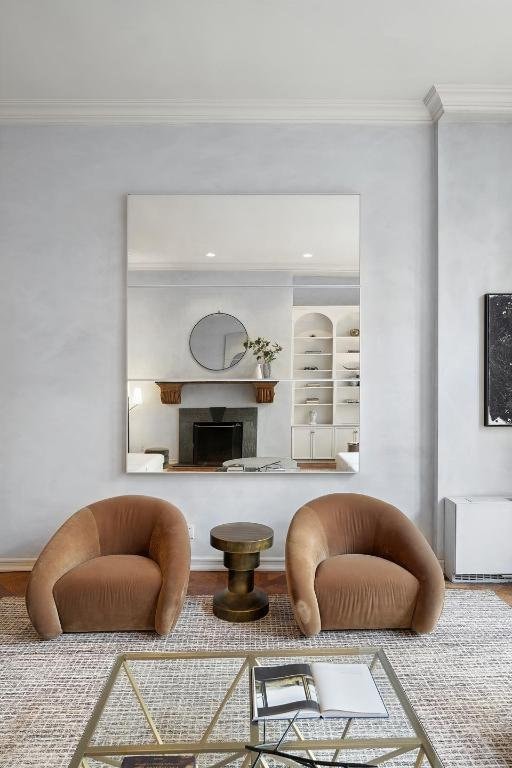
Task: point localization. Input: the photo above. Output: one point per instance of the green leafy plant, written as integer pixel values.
(263, 350)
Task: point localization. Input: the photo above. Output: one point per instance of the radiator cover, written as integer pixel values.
(478, 539)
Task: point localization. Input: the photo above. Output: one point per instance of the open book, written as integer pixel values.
(319, 689)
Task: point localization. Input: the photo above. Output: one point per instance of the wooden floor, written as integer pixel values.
(207, 582)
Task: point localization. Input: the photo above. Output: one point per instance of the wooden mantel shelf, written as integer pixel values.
(170, 391)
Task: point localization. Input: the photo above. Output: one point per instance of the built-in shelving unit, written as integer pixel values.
(326, 379)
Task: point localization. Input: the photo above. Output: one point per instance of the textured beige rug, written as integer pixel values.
(459, 679)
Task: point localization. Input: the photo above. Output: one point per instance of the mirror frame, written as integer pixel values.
(214, 314)
(357, 284)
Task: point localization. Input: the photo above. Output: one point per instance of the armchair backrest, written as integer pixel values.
(356, 524)
(125, 523)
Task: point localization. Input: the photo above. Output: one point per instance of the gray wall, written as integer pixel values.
(62, 389)
(475, 257)
(160, 320)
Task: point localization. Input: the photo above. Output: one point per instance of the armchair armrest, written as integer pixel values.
(75, 542)
(170, 548)
(400, 541)
(306, 548)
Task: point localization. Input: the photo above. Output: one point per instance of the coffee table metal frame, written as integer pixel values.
(112, 755)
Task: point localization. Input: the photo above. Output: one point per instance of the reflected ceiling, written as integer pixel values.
(298, 233)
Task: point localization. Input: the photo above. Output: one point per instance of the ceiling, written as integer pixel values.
(253, 60)
(236, 50)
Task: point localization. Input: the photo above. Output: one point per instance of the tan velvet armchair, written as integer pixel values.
(119, 564)
(355, 562)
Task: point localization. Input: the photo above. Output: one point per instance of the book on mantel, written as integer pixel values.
(159, 761)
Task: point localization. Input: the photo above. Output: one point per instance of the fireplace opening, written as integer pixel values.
(215, 442)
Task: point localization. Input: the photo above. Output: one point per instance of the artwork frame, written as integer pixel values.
(498, 360)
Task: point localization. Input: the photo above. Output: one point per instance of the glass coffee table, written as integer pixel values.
(198, 703)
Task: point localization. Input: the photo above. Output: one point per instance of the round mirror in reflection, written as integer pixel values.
(217, 341)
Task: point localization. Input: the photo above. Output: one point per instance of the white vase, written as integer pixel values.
(313, 415)
(258, 373)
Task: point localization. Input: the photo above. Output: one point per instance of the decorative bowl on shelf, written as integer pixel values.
(353, 367)
(313, 335)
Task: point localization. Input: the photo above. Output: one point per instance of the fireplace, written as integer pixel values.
(215, 443)
(210, 436)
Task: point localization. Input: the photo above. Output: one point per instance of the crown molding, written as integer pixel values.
(177, 111)
(470, 103)
(250, 266)
(473, 103)
(434, 104)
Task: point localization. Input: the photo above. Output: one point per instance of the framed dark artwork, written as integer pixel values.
(498, 360)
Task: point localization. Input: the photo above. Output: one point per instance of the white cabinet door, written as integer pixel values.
(312, 443)
(302, 445)
(322, 443)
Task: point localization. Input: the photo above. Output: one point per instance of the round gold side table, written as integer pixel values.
(241, 544)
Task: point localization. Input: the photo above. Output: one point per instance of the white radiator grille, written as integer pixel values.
(483, 577)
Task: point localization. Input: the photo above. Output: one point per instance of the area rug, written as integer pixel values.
(458, 679)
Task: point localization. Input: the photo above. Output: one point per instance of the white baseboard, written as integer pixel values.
(16, 564)
(207, 563)
(212, 563)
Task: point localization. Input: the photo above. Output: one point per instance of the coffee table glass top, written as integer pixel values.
(199, 703)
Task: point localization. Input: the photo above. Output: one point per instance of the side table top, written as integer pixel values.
(241, 537)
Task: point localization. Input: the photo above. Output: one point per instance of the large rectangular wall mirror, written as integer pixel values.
(243, 320)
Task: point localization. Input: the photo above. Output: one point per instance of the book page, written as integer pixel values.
(284, 690)
(347, 688)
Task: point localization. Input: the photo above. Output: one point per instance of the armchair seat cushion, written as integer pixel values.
(109, 593)
(364, 592)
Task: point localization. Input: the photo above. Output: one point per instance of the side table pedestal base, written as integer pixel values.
(238, 607)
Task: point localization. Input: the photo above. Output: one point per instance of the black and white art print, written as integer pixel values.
(498, 360)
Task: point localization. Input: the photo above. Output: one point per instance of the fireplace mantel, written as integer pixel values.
(170, 391)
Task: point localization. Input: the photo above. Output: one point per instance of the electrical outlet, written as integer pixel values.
(191, 532)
